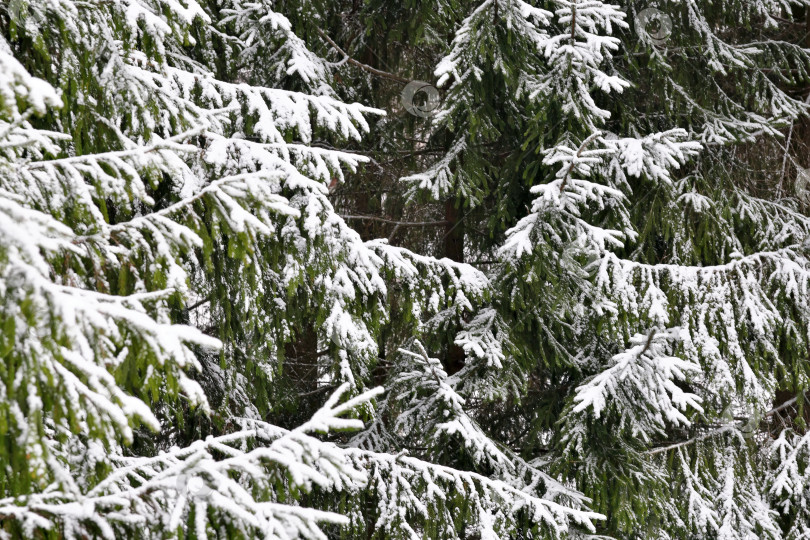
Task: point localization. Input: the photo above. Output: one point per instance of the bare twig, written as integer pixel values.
(365, 67)
(195, 305)
(689, 441)
(397, 223)
(649, 342)
(718, 431)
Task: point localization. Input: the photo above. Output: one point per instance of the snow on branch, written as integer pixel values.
(229, 477)
(641, 386)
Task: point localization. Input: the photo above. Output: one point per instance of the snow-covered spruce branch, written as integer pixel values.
(694, 271)
(189, 478)
(192, 478)
(575, 161)
(432, 421)
(171, 143)
(640, 386)
(433, 284)
(240, 182)
(497, 504)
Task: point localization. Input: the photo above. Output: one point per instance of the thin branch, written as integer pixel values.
(786, 404)
(649, 342)
(397, 223)
(582, 147)
(718, 431)
(689, 441)
(393, 234)
(195, 305)
(784, 162)
(365, 67)
(318, 390)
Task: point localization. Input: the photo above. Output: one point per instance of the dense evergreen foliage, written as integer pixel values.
(253, 285)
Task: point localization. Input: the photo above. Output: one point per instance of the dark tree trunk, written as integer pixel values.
(454, 232)
(454, 250)
(301, 360)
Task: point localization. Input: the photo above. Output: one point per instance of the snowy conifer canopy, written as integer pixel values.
(245, 292)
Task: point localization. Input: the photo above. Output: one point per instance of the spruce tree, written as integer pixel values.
(174, 277)
(653, 304)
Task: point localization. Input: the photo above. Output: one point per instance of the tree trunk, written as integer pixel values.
(453, 250)
(300, 364)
